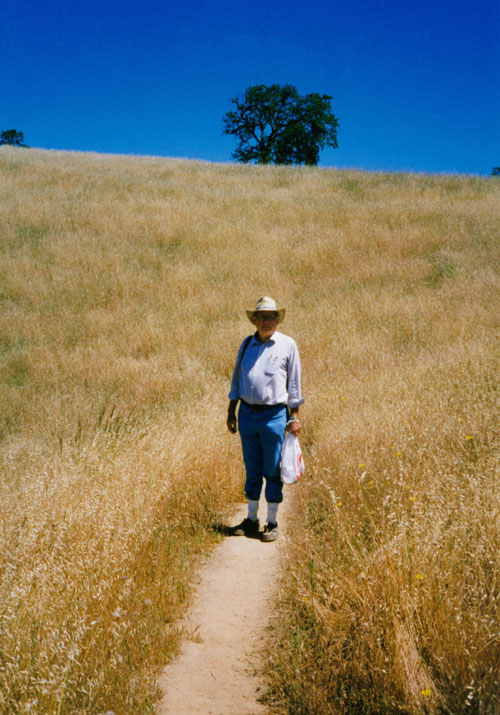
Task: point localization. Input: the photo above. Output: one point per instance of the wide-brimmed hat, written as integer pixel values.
(266, 303)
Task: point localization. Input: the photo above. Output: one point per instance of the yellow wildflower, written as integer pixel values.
(426, 693)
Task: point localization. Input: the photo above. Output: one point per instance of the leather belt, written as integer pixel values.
(261, 408)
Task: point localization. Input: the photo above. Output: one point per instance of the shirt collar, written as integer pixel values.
(270, 340)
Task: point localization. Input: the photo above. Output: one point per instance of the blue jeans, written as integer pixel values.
(262, 436)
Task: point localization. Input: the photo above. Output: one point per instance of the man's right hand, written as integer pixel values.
(232, 424)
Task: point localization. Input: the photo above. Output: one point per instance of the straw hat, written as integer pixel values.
(266, 303)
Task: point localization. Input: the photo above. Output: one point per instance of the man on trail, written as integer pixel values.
(266, 382)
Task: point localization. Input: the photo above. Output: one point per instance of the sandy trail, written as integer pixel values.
(217, 669)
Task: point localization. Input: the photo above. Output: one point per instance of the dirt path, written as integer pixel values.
(216, 672)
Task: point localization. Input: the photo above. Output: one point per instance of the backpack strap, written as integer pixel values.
(245, 345)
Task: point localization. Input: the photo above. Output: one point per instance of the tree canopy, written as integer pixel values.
(274, 124)
(12, 137)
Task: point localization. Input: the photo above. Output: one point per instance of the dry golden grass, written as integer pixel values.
(123, 282)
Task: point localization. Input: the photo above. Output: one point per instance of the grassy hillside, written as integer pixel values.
(122, 285)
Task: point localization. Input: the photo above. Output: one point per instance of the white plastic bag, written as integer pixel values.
(292, 464)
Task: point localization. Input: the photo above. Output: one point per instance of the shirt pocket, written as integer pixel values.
(275, 368)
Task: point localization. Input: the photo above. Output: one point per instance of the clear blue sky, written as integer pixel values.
(415, 83)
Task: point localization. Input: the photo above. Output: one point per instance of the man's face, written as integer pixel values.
(266, 322)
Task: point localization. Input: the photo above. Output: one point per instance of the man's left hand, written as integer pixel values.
(294, 427)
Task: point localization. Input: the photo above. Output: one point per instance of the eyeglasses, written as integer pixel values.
(266, 316)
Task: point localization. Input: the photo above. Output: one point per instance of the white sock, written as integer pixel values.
(253, 508)
(272, 511)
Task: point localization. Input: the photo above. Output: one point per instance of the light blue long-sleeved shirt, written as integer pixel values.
(269, 373)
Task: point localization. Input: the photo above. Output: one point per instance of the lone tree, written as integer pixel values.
(495, 171)
(12, 137)
(276, 125)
